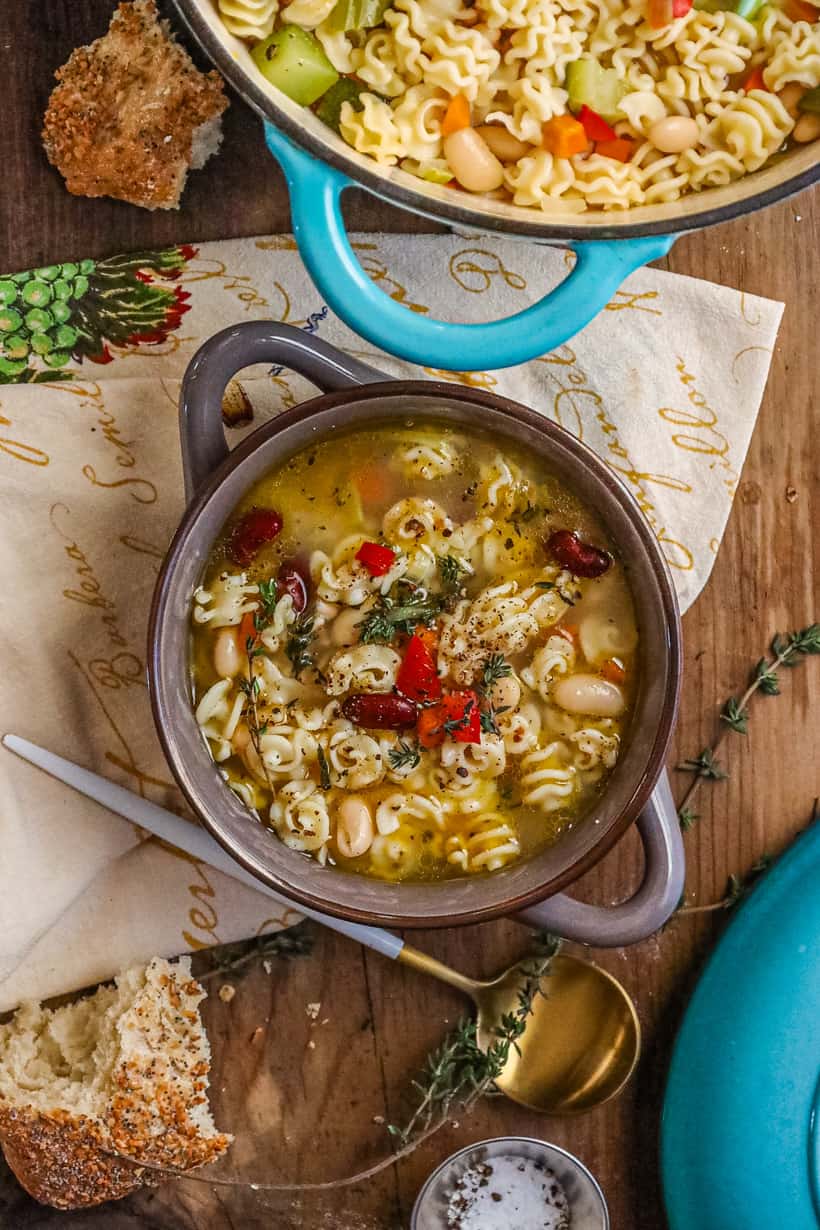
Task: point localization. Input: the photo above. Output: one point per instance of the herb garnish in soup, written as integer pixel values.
(414, 653)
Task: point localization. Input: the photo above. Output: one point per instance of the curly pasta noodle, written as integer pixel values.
(249, 18)
(429, 461)
(300, 816)
(229, 598)
(547, 781)
(484, 844)
(796, 57)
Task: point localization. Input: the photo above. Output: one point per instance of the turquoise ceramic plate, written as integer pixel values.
(740, 1147)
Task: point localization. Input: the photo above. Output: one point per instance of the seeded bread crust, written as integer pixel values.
(132, 113)
(148, 1077)
(61, 1161)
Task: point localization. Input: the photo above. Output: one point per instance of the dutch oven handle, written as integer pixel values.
(204, 447)
(651, 905)
(318, 227)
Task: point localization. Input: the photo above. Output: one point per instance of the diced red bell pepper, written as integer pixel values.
(417, 677)
(377, 558)
(681, 7)
(456, 716)
(595, 126)
(755, 81)
(462, 717)
(430, 726)
(621, 150)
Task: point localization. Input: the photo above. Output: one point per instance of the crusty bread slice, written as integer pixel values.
(123, 1072)
(132, 113)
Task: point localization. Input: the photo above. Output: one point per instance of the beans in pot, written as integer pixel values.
(581, 558)
(380, 711)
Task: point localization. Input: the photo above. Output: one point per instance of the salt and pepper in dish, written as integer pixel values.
(511, 1182)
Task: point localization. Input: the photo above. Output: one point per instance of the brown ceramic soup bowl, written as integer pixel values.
(354, 395)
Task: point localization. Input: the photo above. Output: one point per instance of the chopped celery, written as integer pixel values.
(346, 89)
(435, 172)
(356, 15)
(747, 8)
(293, 60)
(810, 101)
(599, 88)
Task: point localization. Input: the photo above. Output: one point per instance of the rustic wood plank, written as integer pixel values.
(306, 1113)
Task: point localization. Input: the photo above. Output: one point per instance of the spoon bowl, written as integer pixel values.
(582, 1038)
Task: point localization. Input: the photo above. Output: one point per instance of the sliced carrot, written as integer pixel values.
(621, 149)
(375, 485)
(247, 628)
(755, 80)
(801, 10)
(456, 116)
(564, 136)
(569, 632)
(613, 670)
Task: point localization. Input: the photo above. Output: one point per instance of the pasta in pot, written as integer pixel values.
(427, 667)
(593, 91)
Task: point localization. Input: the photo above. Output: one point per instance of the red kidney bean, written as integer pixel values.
(258, 527)
(579, 557)
(293, 579)
(380, 711)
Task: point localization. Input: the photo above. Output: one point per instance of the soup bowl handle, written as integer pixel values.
(202, 438)
(650, 906)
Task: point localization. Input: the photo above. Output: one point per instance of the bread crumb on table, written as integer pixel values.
(227, 992)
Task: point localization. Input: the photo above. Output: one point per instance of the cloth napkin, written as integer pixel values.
(665, 385)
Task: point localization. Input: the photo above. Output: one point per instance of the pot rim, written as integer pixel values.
(439, 209)
(654, 761)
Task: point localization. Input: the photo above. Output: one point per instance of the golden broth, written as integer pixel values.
(506, 678)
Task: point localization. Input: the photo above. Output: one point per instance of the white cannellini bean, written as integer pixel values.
(505, 692)
(807, 128)
(673, 134)
(502, 143)
(343, 631)
(589, 694)
(790, 96)
(472, 162)
(354, 827)
(227, 653)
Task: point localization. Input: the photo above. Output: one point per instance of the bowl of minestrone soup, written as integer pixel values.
(414, 650)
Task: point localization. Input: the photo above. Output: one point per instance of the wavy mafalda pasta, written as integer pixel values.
(249, 18)
(459, 531)
(509, 60)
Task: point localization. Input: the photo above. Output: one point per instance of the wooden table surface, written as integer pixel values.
(306, 1100)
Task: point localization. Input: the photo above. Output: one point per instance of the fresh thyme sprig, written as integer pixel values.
(399, 611)
(324, 768)
(495, 668)
(404, 755)
(459, 1072)
(297, 647)
(737, 888)
(228, 958)
(268, 598)
(452, 571)
(786, 651)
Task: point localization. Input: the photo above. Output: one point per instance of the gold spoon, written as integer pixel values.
(580, 1044)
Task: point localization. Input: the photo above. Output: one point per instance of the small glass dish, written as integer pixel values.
(587, 1206)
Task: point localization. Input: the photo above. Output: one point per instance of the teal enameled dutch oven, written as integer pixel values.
(740, 1138)
(319, 166)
